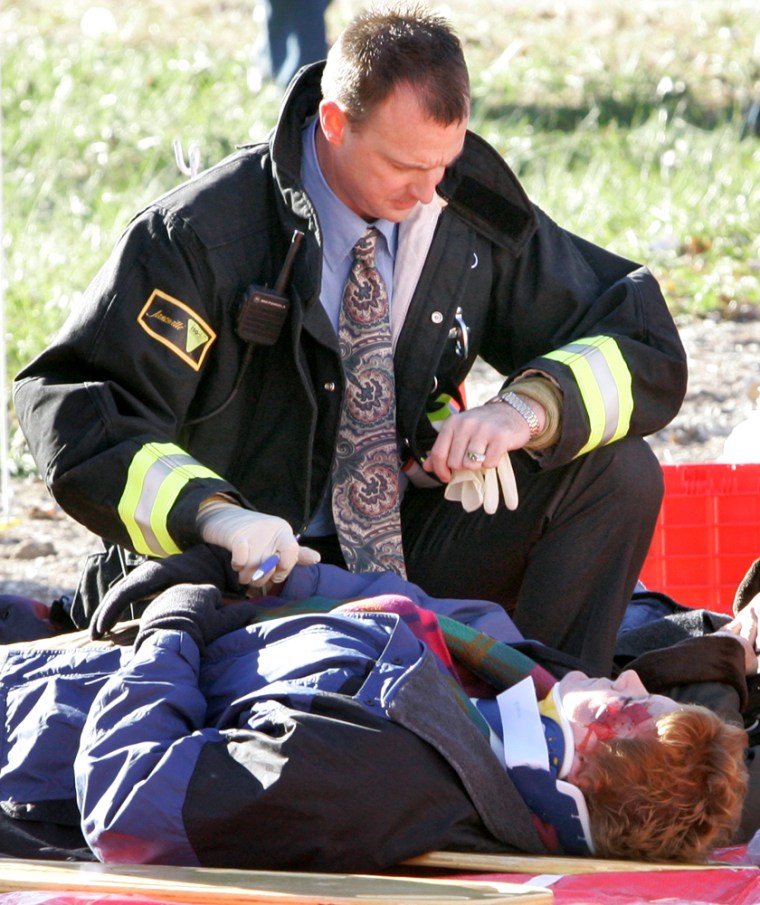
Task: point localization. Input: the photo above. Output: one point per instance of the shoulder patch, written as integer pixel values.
(177, 327)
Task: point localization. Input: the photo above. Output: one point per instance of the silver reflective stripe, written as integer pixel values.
(156, 476)
(605, 386)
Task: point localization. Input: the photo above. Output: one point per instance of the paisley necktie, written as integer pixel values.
(365, 479)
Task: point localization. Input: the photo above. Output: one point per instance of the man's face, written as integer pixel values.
(383, 166)
(601, 709)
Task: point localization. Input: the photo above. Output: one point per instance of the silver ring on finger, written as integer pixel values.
(475, 457)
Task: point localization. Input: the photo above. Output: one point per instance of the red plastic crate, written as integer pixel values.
(707, 534)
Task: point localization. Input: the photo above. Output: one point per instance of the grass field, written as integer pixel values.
(624, 121)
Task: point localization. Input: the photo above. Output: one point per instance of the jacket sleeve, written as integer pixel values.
(102, 407)
(599, 327)
(138, 751)
(710, 658)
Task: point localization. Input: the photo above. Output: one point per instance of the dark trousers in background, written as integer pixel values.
(294, 36)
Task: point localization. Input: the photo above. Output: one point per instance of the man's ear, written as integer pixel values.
(333, 120)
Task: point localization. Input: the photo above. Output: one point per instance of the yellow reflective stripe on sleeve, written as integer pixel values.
(604, 382)
(155, 479)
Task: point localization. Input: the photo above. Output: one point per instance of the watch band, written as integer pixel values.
(522, 408)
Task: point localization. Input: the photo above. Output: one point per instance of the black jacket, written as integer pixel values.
(117, 409)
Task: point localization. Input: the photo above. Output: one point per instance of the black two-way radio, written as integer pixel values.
(264, 310)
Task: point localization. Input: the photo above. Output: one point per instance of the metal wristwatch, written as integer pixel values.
(522, 407)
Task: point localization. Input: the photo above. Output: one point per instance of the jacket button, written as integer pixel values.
(436, 317)
(330, 386)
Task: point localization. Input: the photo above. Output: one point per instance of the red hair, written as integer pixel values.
(673, 794)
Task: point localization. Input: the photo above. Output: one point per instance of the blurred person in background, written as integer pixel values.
(293, 34)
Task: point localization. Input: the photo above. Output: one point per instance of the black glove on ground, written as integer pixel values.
(197, 610)
(204, 564)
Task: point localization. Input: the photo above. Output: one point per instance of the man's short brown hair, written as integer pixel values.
(391, 45)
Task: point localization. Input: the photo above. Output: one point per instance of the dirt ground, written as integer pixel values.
(42, 550)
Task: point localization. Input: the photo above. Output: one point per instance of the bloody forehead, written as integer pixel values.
(614, 718)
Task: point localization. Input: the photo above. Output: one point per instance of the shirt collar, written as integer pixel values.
(345, 227)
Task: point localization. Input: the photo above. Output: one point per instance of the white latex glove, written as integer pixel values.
(251, 537)
(474, 489)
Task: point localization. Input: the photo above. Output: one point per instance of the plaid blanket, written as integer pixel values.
(461, 651)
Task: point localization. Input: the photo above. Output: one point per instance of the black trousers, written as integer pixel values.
(563, 564)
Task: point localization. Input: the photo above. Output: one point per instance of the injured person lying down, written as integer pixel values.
(347, 724)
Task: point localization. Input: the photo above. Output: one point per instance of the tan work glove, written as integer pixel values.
(252, 537)
(474, 489)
